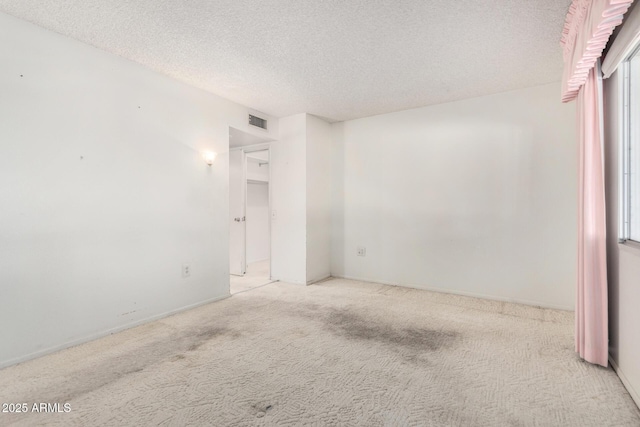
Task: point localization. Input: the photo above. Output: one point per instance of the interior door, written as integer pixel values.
(237, 218)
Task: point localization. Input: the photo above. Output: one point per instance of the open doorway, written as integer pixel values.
(249, 212)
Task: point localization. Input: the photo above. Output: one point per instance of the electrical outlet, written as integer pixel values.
(186, 271)
(362, 251)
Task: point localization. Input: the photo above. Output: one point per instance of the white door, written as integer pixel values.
(237, 219)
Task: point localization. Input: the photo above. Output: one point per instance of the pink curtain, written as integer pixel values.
(588, 26)
(592, 332)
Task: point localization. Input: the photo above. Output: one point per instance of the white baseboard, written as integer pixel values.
(625, 381)
(321, 279)
(463, 293)
(284, 280)
(73, 343)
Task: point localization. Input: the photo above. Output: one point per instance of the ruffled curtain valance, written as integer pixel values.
(587, 28)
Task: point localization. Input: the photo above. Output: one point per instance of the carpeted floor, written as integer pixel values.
(337, 353)
(257, 275)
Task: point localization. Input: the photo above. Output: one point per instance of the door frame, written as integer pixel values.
(243, 213)
(252, 149)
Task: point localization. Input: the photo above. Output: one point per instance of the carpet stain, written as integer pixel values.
(209, 334)
(354, 326)
(110, 369)
(260, 409)
(351, 324)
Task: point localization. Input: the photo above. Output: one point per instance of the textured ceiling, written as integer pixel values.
(338, 59)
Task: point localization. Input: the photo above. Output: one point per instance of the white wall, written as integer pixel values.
(301, 199)
(475, 197)
(257, 222)
(103, 192)
(319, 182)
(623, 260)
(289, 201)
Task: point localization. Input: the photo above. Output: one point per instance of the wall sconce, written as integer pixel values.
(209, 157)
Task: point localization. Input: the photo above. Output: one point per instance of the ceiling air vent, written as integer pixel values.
(257, 122)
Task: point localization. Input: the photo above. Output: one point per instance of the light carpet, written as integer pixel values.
(337, 353)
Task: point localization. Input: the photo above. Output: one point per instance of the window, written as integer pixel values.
(630, 152)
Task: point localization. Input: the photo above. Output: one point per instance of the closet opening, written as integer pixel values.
(249, 212)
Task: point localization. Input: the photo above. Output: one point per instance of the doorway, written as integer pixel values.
(249, 215)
